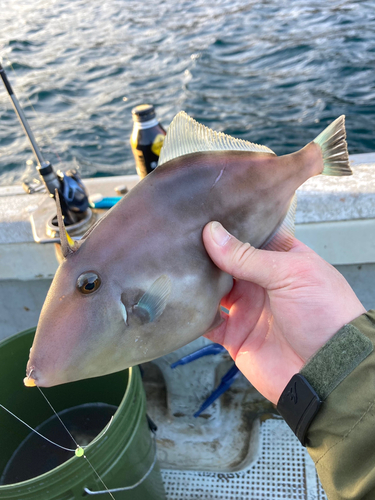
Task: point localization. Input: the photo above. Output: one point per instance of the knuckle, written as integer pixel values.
(242, 257)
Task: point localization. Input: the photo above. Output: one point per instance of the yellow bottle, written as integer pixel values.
(146, 139)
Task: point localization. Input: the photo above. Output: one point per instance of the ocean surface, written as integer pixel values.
(275, 72)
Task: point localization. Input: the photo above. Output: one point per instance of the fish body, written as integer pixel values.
(140, 283)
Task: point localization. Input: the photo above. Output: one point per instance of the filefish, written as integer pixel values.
(139, 284)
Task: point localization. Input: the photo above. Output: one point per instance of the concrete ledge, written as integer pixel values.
(326, 199)
(27, 261)
(346, 242)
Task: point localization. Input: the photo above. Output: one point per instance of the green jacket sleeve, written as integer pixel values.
(341, 439)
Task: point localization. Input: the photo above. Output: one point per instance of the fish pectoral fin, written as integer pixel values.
(282, 238)
(186, 136)
(153, 303)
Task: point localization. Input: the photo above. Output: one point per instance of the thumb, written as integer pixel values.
(239, 259)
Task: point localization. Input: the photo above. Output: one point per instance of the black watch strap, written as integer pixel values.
(298, 405)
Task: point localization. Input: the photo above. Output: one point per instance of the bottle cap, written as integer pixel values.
(143, 113)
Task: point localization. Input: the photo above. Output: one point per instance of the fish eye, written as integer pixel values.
(88, 282)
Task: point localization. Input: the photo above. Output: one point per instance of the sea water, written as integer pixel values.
(274, 72)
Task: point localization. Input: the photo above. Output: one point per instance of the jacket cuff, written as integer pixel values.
(341, 438)
(336, 360)
(305, 392)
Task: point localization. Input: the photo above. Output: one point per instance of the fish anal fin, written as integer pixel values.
(186, 136)
(153, 303)
(218, 320)
(282, 239)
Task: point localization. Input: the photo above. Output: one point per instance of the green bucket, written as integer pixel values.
(123, 456)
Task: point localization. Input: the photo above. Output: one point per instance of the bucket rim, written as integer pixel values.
(8, 340)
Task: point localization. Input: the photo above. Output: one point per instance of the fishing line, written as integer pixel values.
(54, 411)
(79, 451)
(100, 479)
(36, 432)
(73, 450)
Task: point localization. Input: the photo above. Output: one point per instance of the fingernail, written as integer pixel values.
(219, 234)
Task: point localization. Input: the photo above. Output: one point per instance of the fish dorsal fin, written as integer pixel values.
(185, 136)
(282, 239)
(68, 246)
(152, 304)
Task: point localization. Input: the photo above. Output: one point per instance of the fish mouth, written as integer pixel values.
(37, 377)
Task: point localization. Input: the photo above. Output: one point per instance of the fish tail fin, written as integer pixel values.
(332, 142)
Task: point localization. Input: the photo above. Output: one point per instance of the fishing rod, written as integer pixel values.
(73, 197)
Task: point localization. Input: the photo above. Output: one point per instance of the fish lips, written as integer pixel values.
(40, 377)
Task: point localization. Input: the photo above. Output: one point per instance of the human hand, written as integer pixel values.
(283, 307)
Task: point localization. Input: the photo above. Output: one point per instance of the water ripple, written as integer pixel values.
(274, 72)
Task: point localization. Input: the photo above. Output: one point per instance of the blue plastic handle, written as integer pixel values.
(107, 202)
(203, 351)
(225, 383)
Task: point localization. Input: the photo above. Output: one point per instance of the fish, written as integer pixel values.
(140, 284)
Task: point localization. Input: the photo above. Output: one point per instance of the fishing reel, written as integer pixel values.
(72, 193)
(73, 196)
